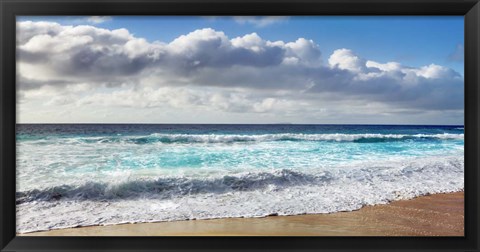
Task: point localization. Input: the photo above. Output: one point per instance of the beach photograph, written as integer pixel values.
(240, 126)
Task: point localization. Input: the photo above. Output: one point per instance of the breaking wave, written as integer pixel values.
(232, 138)
(170, 187)
(252, 194)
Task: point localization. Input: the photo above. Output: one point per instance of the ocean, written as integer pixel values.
(71, 175)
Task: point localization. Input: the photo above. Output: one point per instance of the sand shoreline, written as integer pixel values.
(432, 215)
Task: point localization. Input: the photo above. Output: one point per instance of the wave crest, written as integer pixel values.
(169, 187)
(173, 186)
(225, 138)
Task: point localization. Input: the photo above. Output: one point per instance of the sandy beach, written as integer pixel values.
(432, 215)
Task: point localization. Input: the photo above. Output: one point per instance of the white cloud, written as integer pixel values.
(28, 29)
(56, 44)
(250, 41)
(345, 59)
(433, 71)
(198, 40)
(91, 66)
(305, 51)
(387, 67)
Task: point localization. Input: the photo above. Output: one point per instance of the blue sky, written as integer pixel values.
(329, 69)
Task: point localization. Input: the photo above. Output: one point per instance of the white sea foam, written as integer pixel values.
(215, 138)
(230, 138)
(237, 194)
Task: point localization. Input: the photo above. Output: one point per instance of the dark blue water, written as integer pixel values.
(142, 129)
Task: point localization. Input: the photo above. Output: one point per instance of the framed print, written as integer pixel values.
(276, 125)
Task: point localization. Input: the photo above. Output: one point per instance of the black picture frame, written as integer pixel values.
(470, 9)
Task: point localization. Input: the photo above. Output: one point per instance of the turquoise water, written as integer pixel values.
(141, 173)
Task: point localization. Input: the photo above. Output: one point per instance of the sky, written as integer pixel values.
(315, 70)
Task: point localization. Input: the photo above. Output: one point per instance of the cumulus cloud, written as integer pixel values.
(206, 68)
(79, 52)
(345, 59)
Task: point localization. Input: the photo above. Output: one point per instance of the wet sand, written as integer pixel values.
(433, 215)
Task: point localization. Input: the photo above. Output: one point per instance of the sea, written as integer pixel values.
(71, 175)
